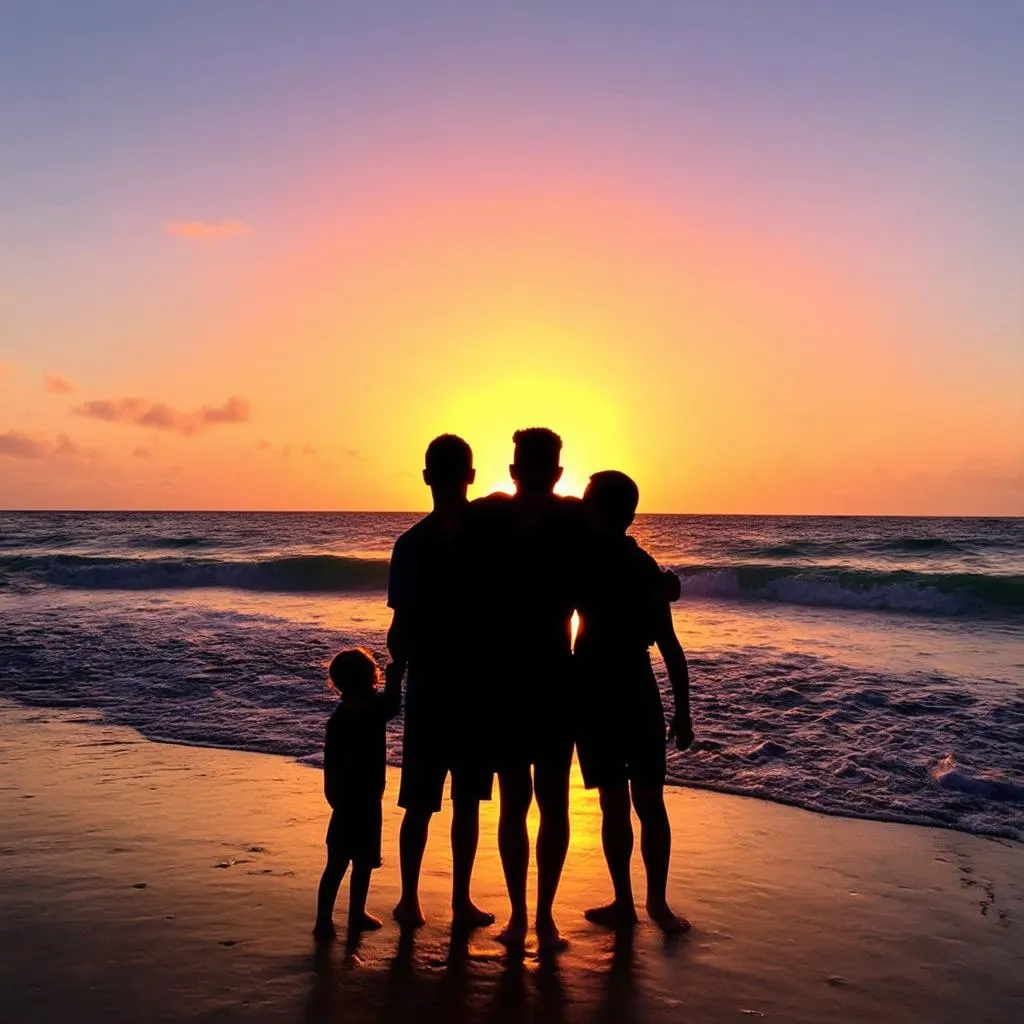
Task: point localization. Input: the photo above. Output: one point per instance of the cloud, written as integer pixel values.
(140, 412)
(264, 445)
(18, 445)
(234, 410)
(141, 453)
(204, 230)
(58, 385)
(65, 446)
(308, 449)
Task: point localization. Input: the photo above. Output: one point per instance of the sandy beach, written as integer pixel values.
(146, 881)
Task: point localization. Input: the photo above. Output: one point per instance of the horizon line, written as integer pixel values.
(425, 511)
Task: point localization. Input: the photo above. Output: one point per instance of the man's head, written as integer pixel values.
(448, 466)
(535, 467)
(610, 501)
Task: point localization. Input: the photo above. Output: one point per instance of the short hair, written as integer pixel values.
(537, 446)
(449, 460)
(351, 668)
(614, 492)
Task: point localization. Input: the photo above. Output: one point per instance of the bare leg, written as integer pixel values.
(412, 842)
(514, 847)
(465, 837)
(358, 919)
(656, 848)
(552, 846)
(326, 895)
(617, 840)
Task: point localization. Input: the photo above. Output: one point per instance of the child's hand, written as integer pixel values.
(672, 588)
(681, 730)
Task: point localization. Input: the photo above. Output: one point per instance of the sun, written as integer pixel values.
(570, 484)
(487, 417)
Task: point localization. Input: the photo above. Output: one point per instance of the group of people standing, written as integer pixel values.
(483, 594)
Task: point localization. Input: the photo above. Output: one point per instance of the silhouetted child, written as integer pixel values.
(355, 769)
(624, 609)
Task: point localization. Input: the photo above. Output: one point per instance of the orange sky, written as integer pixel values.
(737, 342)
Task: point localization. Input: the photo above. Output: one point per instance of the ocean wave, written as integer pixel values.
(171, 543)
(298, 573)
(950, 775)
(892, 547)
(944, 594)
(895, 591)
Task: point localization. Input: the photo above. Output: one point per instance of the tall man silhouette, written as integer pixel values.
(427, 593)
(524, 550)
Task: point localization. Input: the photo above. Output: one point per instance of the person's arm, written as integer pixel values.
(400, 639)
(332, 788)
(681, 727)
(400, 600)
(391, 698)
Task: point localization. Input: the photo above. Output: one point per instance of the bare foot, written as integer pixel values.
(364, 923)
(549, 938)
(323, 931)
(614, 915)
(669, 923)
(471, 916)
(409, 915)
(513, 936)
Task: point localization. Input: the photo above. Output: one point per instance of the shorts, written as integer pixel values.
(621, 735)
(434, 745)
(354, 833)
(532, 723)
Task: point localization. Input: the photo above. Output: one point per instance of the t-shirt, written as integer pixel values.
(426, 584)
(622, 594)
(525, 570)
(356, 749)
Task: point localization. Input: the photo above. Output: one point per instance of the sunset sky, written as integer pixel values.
(766, 256)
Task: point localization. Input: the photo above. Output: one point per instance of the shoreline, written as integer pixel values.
(167, 882)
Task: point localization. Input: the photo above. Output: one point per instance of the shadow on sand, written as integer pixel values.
(462, 984)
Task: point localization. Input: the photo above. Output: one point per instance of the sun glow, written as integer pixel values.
(585, 418)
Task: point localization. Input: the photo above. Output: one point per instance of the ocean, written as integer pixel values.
(871, 667)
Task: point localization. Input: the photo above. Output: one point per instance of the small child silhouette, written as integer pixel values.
(355, 770)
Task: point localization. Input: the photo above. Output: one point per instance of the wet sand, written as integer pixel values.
(143, 881)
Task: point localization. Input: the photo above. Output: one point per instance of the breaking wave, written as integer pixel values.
(297, 573)
(962, 594)
(895, 591)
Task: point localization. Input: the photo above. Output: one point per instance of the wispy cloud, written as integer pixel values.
(18, 445)
(205, 230)
(21, 446)
(59, 385)
(141, 412)
(141, 453)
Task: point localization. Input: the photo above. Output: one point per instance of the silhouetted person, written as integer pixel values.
(621, 731)
(355, 772)
(524, 550)
(443, 733)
